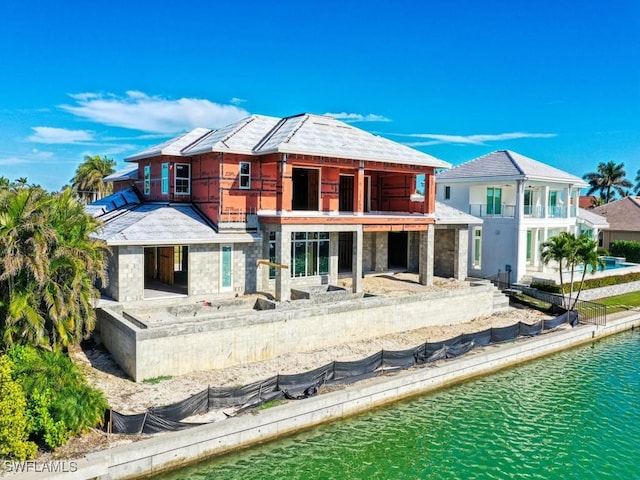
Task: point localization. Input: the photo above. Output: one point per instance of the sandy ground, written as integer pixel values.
(127, 397)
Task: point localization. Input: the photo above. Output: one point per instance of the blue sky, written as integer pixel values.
(558, 81)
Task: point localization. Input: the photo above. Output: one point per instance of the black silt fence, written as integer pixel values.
(306, 384)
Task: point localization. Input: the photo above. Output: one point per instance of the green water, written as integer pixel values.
(573, 415)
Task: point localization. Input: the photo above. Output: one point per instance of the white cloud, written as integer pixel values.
(479, 139)
(358, 117)
(41, 154)
(139, 111)
(237, 101)
(10, 161)
(59, 135)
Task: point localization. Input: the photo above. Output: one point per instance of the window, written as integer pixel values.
(147, 179)
(183, 179)
(494, 201)
(310, 254)
(447, 192)
(245, 175)
(226, 268)
(477, 247)
(272, 254)
(528, 202)
(165, 178)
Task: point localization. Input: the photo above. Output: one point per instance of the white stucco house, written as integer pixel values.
(522, 203)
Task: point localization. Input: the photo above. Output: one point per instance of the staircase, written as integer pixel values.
(500, 301)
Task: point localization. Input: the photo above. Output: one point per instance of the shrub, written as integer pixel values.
(546, 287)
(60, 403)
(14, 430)
(628, 249)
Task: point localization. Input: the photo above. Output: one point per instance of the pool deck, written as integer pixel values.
(176, 449)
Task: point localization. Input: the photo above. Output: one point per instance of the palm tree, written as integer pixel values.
(572, 253)
(88, 181)
(49, 266)
(609, 179)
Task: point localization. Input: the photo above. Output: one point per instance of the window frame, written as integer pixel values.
(147, 179)
(179, 190)
(244, 176)
(476, 248)
(165, 179)
(447, 192)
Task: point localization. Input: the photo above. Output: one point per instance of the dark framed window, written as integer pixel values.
(182, 178)
(245, 175)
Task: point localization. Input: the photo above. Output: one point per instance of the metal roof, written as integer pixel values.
(325, 136)
(239, 137)
(505, 164)
(128, 173)
(162, 224)
(175, 146)
(447, 215)
(304, 134)
(592, 219)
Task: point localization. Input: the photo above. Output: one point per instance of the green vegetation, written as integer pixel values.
(589, 283)
(272, 403)
(156, 380)
(49, 265)
(87, 183)
(628, 249)
(609, 179)
(60, 403)
(619, 303)
(14, 431)
(572, 253)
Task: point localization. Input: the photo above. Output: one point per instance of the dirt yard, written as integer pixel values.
(126, 396)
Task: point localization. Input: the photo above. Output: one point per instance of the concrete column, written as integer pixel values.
(381, 252)
(358, 190)
(461, 258)
(426, 256)
(545, 203)
(263, 270)
(283, 256)
(284, 186)
(356, 280)
(333, 257)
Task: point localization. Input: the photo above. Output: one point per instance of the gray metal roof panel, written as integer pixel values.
(175, 146)
(592, 218)
(128, 173)
(239, 137)
(113, 202)
(447, 215)
(325, 136)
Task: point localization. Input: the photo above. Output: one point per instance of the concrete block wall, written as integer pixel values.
(203, 269)
(220, 343)
(130, 273)
(444, 253)
(368, 251)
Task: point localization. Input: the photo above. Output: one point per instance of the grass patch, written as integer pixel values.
(156, 380)
(619, 303)
(272, 403)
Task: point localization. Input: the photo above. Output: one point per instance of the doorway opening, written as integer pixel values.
(398, 250)
(306, 189)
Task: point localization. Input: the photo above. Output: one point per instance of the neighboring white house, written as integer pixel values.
(522, 202)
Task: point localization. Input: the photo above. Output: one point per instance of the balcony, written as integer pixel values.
(238, 219)
(534, 211)
(485, 210)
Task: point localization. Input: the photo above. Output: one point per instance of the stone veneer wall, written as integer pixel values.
(180, 348)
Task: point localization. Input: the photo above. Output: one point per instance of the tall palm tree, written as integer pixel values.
(88, 181)
(573, 254)
(608, 180)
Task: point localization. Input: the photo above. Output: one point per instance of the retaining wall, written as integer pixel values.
(176, 449)
(253, 336)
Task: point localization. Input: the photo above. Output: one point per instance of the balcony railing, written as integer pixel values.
(484, 210)
(236, 218)
(534, 211)
(557, 212)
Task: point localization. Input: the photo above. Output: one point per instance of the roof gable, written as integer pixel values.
(508, 164)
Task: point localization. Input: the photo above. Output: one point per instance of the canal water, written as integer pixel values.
(574, 415)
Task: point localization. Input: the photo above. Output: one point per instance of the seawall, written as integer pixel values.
(171, 450)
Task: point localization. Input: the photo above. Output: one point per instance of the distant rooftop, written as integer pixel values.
(507, 165)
